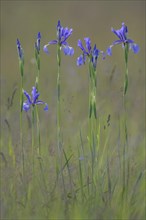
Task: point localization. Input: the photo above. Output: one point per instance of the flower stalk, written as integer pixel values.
(21, 68)
(37, 58)
(127, 44)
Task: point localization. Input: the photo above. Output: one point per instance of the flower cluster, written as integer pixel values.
(92, 54)
(33, 100)
(87, 52)
(122, 35)
(62, 35)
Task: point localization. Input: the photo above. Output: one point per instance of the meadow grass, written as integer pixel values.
(96, 176)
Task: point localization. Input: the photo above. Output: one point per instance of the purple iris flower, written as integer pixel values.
(37, 43)
(62, 35)
(122, 35)
(33, 100)
(20, 50)
(88, 52)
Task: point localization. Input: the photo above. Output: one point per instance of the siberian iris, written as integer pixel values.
(122, 35)
(33, 100)
(37, 43)
(62, 35)
(92, 54)
(20, 50)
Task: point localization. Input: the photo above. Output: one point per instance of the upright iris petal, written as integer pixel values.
(62, 35)
(33, 100)
(122, 34)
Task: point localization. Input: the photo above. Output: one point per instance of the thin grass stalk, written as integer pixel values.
(81, 178)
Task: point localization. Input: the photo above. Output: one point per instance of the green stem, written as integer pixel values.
(38, 132)
(38, 71)
(59, 144)
(125, 149)
(92, 116)
(58, 102)
(32, 139)
(37, 114)
(21, 111)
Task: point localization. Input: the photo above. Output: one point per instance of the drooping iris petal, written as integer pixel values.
(80, 60)
(109, 51)
(46, 108)
(68, 51)
(135, 48)
(26, 106)
(45, 49)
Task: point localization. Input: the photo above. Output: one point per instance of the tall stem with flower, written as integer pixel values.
(126, 44)
(32, 101)
(61, 42)
(37, 58)
(91, 55)
(21, 67)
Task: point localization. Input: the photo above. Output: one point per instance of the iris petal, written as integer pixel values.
(68, 51)
(46, 107)
(109, 51)
(28, 97)
(80, 60)
(135, 48)
(88, 43)
(45, 48)
(26, 106)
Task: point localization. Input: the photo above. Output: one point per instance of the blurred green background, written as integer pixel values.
(94, 19)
